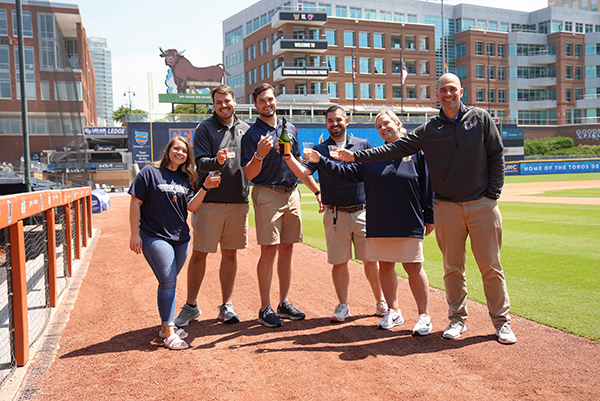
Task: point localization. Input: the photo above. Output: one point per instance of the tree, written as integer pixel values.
(189, 109)
(120, 113)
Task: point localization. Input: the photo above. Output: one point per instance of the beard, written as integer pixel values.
(339, 134)
(269, 113)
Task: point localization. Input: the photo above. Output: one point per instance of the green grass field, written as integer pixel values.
(550, 254)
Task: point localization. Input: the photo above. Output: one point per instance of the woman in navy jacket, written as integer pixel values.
(399, 214)
(161, 195)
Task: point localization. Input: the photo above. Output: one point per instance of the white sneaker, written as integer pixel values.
(505, 334)
(341, 313)
(391, 319)
(227, 314)
(381, 308)
(423, 326)
(454, 329)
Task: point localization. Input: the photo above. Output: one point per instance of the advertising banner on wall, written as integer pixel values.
(560, 167)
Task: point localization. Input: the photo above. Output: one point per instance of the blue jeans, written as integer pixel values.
(166, 260)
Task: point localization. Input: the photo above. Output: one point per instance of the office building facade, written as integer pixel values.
(59, 77)
(533, 68)
(101, 58)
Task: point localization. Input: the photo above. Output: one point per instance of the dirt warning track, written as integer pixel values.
(109, 347)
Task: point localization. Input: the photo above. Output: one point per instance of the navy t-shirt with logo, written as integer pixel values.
(164, 195)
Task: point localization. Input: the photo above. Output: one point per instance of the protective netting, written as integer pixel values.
(36, 268)
(7, 357)
(62, 266)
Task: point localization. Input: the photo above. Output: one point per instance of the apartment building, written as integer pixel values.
(59, 77)
(529, 68)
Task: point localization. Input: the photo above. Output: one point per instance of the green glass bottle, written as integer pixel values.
(285, 142)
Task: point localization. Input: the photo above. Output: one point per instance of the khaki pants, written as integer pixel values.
(481, 221)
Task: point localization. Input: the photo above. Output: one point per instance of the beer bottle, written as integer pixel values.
(285, 142)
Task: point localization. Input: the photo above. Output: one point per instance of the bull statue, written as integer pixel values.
(183, 70)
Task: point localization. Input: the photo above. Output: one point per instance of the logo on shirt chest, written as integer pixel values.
(468, 125)
(407, 158)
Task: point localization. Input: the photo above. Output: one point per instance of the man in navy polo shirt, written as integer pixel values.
(276, 202)
(345, 219)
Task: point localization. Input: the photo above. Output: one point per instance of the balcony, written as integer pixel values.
(312, 18)
(538, 82)
(300, 71)
(302, 97)
(589, 102)
(299, 44)
(533, 105)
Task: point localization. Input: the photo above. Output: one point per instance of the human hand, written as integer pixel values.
(345, 155)
(135, 243)
(314, 156)
(264, 145)
(322, 207)
(222, 156)
(429, 228)
(212, 182)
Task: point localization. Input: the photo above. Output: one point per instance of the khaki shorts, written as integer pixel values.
(402, 250)
(277, 216)
(350, 228)
(220, 223)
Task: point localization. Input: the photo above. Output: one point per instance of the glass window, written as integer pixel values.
(461, 50)
(423, 67)
(341, 11)
(569, 71)
(349, 90)
(348, 65)
(332, 63)
(365, 91)
(480, 95)
(378, 40)
(349, 39)
(268, 69)
(491, 96)
(370, 14)
(355, 12)
(3, 23)
(248, 27)
(501, 73)
(5, 92)
(396, 41)
(577, 72)
(411, 92)
(399, 17)
(568, 26)
(491, 69)
(479, 48)
(263, 20)
(234, 59)
(315, 61)
(364, 39)
(411, 67)
(27, 26)
(493, 25)
(411, 18)
(331, 37)
(315, 88)
(67, 90)
(501, 95)
(253, 51)
(365, 65)
(236, 81)
(501, 50)
(577, 50)
(479, 71)
(379, 66)
(48, 44)
(397, 92)
(384, 16)
(45, 89)
(568, 95)
(578, 27)
(461, 72)
(380, 91)
(326, 7)
(410, 42)
(267, 49)
(578, 93)
(490, 49)
(261, 72)
(29, 73)
(568, 49)
(332, 89)
(260, 48)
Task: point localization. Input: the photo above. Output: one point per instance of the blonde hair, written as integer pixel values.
(394, 118)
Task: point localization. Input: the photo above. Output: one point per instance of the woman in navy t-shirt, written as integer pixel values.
(161, 195)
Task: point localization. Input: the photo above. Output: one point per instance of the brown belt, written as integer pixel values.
(278, 188)
(347, 209)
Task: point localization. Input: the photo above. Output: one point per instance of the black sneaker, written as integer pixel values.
(268, 318)
(287, 311)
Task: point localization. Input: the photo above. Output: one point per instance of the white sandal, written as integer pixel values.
(180, 332)
(176, 343)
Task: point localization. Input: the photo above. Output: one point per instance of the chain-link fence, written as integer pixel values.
(43, 288)
(7, 356)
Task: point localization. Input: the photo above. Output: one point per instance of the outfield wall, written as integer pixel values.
(535, 167)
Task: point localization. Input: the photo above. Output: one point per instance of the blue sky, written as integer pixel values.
(135, 29)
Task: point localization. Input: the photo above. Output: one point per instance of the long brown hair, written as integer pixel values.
(188, 166)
